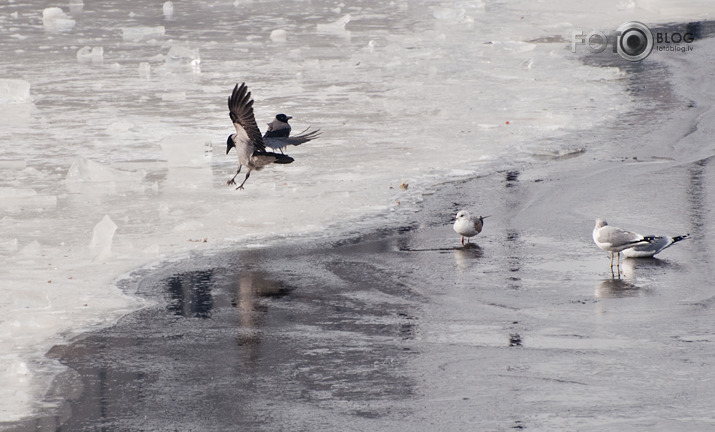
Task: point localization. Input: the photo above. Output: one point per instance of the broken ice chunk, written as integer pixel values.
(84, 173)
(76, 6)
(174, 97)
(182, 56)
(135, 34)
(102, 235)
(13, 164)
(12, 199)
(85, 170)
(145, 70)
(93, 55)
(186, 150)
(8, 245)
(168, 9)
(278, 35)
(55, 20)
(336, 27)
(189, 226)
(14, 91)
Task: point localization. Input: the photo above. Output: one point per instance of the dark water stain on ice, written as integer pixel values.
(246, 341)
(255, 337)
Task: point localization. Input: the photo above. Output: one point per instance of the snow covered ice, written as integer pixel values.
(116, 137)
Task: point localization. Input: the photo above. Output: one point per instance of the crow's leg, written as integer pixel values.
(233, 179)
(244, 180)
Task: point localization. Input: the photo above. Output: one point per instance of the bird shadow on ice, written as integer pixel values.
(464, 255)
(468, 249)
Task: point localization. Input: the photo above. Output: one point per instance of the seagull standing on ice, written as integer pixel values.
(612, 239)
(649, 249)
(247, 140)
(468, 226)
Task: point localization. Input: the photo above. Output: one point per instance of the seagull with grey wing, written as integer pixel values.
(277, 137)
(467, 225)
(648, 250)
(247, 140)
(615, 240)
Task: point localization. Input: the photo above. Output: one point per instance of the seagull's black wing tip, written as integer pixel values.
(680, 237)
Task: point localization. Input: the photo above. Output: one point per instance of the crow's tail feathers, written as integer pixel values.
(281, 158)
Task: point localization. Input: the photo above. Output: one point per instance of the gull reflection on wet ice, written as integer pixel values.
(464, 256)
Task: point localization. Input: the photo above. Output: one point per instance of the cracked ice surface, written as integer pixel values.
(114, 128)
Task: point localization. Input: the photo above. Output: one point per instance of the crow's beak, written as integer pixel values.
(229, 144)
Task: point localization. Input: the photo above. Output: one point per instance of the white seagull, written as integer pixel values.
(656, 246)
(468, 226)
(247, 140)
(612, 239)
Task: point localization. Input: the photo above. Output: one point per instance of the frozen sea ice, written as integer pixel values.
(102, 236)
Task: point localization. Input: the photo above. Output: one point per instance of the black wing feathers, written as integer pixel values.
(302, 137)
(240, 107)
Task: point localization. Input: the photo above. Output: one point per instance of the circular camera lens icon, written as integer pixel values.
(635, 41)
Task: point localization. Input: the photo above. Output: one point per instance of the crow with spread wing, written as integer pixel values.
(247, 140)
